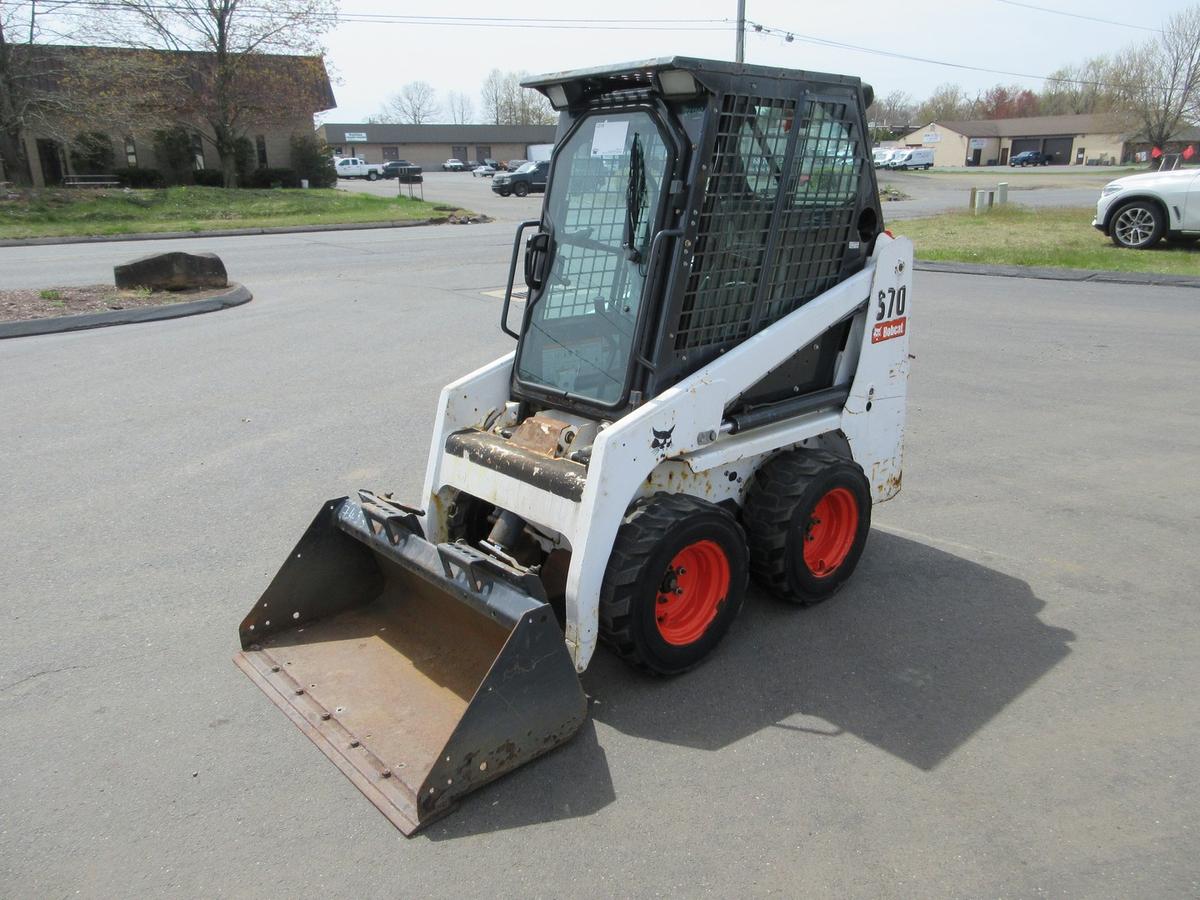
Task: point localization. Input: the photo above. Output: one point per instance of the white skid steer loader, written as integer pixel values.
(709, 383)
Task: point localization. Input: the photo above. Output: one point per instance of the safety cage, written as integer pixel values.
(690, 204)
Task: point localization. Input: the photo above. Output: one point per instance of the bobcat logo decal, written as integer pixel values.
(662, 440)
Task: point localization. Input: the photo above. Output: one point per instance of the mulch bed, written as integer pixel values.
(16, 305)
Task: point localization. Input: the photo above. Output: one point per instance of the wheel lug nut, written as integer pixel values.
(678, 591)
(682, 570)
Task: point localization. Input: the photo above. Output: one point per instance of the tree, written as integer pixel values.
(1006, 102)
(890, 115)
(92, 153)
(1087, 88)
(505, 102)
(228, 77)
(1159, 80)
(462, 108)
(947, 103)
(416, 104)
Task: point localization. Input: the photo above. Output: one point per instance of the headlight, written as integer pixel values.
(1110, 189)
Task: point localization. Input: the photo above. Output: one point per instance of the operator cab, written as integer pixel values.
(690, 204)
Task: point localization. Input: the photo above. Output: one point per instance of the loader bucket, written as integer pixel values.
(422, 671)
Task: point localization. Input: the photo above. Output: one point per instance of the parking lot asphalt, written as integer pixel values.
(929, 193)
(1001, 703)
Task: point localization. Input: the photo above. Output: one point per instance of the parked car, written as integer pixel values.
(530, 178)
(513, 164)
(1030, 158)
(353, 167)
(454, 165)
(483, 171)
(400, 168)
(1138, 211)
(916, 158)
(881, 156)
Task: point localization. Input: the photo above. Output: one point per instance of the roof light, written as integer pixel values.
(676, 83)
(557, 95)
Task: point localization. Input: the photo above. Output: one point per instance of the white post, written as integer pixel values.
(980, 201)
(1002, 193)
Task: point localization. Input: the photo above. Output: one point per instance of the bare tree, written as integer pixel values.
(1089, 87)
(416, 104)
(229, 77)
(1160, 79)
(947, 103)
(505, 102)
(462, 108)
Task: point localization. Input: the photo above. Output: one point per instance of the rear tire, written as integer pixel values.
(521, 189)
(807, 517)
(674, 583)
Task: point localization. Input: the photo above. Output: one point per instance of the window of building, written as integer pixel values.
(130, 152)
(390, 153)
(260, 144)
(197, 151)
(336, 151)
(459, 151)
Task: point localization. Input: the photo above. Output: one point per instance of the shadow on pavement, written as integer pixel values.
(916, 654)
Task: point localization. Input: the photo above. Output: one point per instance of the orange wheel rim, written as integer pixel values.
(693, 588)
(830, 533)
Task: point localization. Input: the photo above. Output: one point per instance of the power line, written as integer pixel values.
(1071, 15)
(790, 36)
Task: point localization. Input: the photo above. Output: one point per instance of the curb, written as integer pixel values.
(234, 295)
(1046, 274)
(231, 232)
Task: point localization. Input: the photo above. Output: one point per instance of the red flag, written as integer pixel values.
(1156, 152)
(1189, 151)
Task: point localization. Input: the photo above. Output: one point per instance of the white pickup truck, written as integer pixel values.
(353, 167)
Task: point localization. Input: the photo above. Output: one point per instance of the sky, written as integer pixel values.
(371, 60)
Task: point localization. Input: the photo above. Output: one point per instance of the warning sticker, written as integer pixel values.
(885, 331)
(609, 138)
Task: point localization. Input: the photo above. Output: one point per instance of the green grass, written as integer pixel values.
(1020, 236)
(60, 213)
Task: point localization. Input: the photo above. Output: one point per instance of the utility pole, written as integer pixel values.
(741, 31)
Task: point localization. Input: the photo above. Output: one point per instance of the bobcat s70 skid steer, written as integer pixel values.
(708, 383)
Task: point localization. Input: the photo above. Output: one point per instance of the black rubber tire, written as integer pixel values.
(372, 176)
(652, 534)
(521, 189)
(779, 505)
(1157, 230)
(504, 193)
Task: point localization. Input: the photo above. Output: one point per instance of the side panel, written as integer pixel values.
(469, 401)
(874, 415)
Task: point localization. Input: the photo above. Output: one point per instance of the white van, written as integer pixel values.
(881, 155)
(916, 158)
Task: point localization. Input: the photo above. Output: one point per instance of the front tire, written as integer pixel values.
(674, 583)
(372, 176)
(807, 516)
(1137, 225)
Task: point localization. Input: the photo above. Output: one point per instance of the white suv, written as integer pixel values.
(1139, 211)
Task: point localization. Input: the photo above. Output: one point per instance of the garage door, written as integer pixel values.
(1020, 145)
(1059, 149)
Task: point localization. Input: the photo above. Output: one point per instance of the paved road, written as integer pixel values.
(1002, 702)
(461, 189)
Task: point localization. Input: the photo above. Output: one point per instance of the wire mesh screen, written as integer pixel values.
(589, 213)
(818, 214)
(743, 180)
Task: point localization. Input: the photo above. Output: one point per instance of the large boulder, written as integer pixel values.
(174, 271)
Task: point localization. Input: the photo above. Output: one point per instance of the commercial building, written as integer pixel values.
(429, 146)
(1098, 139)
(129, 95)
